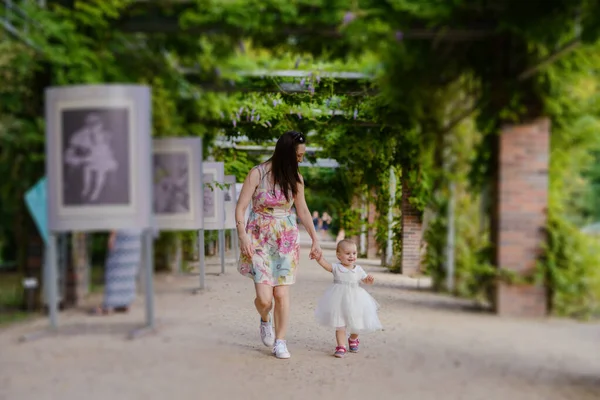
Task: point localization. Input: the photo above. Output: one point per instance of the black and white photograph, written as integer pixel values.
(176, 183)
(214, 204)
(95, 155)
(210, 195)
(171, 182)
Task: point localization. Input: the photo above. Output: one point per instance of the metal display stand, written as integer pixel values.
(213, 213)
(120, 113)
(180, 169)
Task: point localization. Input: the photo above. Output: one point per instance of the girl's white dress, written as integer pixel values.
(346, 304)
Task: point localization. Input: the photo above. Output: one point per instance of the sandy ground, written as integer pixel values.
(208, 347)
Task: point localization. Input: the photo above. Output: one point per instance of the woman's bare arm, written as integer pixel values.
(303, 212)
(250, 184)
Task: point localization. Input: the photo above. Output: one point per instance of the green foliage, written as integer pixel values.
(570, 260)
(237, 163)
(330, 190)
(475, 276)
(403, 119)
(570, 264)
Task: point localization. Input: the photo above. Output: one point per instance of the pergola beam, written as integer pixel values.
(268, 150)
(158, 20)
(289, 88)
(292, 73)
(289, 73)
(14, 12)
(170, 24)
(267, 81)
(228, 124)
(550, 59)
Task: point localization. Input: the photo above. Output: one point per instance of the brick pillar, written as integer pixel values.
(521, 200)
(372, 247)
(412, 234)
(77, 269)
(356, 205)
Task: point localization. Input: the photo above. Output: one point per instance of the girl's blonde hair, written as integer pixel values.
(344, 243)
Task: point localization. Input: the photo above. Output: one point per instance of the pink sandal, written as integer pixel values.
(353, 344)
(340, 351)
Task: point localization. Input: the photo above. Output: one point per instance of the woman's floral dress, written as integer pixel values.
(273, 232)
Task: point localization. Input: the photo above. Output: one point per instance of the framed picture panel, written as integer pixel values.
(177, 183)
(98, 157)
(213, 205)
(230, 200)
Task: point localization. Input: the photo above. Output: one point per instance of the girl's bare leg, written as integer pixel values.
(340, 337)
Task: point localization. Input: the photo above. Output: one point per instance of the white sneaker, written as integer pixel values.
(280, 349)
(266, 333)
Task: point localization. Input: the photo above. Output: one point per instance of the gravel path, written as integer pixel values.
(208, 347)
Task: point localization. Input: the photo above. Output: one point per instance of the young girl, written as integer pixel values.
(345, 305)
(101, 160)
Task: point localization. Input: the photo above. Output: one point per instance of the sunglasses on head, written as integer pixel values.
(298, 137)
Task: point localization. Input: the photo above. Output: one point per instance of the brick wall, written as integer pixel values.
(356, 205)
(412, 234)
(521, 199)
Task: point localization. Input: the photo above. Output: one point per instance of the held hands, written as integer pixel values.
(369, 279)
(315, 251)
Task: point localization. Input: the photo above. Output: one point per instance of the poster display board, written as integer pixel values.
(177, 186)
(230, 200)
(213, 199)
(98, 157)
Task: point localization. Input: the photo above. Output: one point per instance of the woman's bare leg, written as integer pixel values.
(263, 304)
(264, 300)
(282, 310)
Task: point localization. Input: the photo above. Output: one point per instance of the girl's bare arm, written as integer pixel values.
(325, 264)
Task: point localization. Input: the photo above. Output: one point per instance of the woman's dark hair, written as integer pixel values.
(284, 163)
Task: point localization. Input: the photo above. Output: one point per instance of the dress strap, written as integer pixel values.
(262, 169)
(261, 174)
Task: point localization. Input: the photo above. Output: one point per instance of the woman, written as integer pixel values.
(325, 225)
(270, 245)
(122, 263)
(316, 220)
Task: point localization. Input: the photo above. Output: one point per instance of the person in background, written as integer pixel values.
(325, 222)
(316, 220)
(122, 263)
